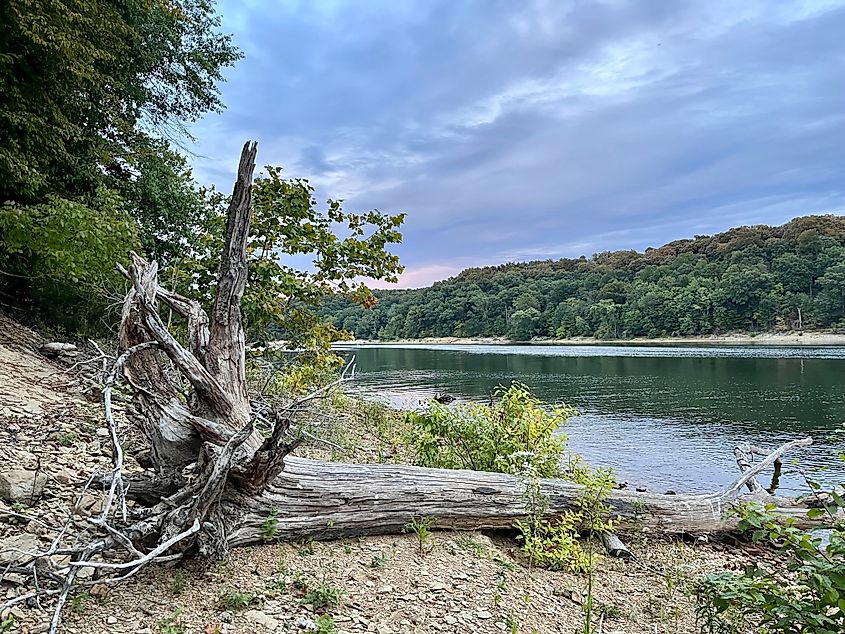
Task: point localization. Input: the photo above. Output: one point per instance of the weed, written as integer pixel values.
(379, 561)
(171, 624)
(325, 595)
(237, 601)
(422, 529)
(306, 548)
(325, 624)
(277, 585)
(271, 526)
(512, 623)
(468, 543)
(7, 624)
(810, 602)
(178, 582)
(67, 438)
(483, 437)
(347, 549)
(299, 581)
(79, 602)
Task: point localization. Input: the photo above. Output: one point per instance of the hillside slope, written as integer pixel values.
(750, 279)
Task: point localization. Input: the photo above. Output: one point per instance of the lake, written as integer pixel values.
(665, 417)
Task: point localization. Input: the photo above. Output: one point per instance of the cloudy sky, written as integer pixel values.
(543, 128)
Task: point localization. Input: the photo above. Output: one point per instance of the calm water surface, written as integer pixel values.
(666, 417)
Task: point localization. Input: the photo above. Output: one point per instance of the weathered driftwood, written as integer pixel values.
(615, 547)
(326, 500)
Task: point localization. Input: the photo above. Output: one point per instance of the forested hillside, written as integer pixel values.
(748, 278)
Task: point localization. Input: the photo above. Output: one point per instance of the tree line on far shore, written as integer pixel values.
(751, 279)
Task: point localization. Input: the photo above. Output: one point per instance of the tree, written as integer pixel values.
(279, 299)
(84, 79)
(57, 258)
(833, 283)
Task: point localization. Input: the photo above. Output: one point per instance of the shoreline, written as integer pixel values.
(812, 338)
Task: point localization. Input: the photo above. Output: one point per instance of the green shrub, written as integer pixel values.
(61, 256)
(554, 544)
(804, 592)
(488, 437)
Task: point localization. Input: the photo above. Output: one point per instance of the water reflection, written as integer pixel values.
(667, 417)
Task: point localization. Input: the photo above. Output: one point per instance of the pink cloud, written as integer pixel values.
(416, 277)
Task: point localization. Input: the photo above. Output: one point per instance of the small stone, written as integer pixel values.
(112, 620)
(17, 485)
(483, 614)
(102, 432)
(260, 618)
(385, 590)
(451, 620)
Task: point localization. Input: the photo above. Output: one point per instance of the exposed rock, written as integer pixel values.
(260, 618)
(16, 547)
(18, 485)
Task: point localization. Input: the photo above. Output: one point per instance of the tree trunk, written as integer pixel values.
(327, 500)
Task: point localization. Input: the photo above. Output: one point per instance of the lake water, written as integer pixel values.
(665, 417)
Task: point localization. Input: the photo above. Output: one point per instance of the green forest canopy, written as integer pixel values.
(93, 92)
(745, 279)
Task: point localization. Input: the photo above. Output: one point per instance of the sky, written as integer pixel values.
(514, 131)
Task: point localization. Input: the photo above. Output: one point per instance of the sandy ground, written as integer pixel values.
(764, 339)
(459, 582)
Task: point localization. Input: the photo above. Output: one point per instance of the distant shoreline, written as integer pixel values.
(762, 339)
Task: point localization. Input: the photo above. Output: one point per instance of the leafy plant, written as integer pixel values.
(325, 595)
(67, 438)
(271, 526)
(237, 601)
(325, 624)
(171, 624)
(178, 582)
(62, 254)
(422, 529)
(79, 602)
(379, 561)
(487, 437)
(7, 624)
(804, 592)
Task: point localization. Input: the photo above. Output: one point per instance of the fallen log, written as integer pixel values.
(329, 500)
